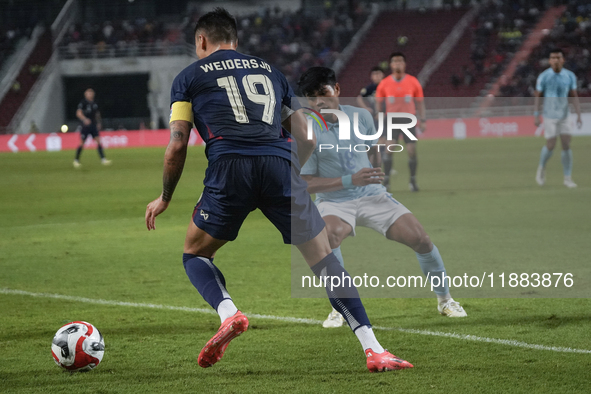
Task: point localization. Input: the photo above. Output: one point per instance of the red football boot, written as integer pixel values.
(214, 349)
(386, 361)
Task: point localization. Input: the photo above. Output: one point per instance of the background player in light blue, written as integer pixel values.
(556, 84)
(349, 191)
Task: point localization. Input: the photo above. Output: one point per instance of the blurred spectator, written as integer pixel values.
(9, 40)
(572, 33)
(295, 41)
(35, 69)
(467, 76)
(455, 80)
(33, 129)
(497, 33)
(16, 86)
(291, 41)
(120, 38)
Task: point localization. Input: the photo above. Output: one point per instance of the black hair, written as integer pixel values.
(376, 68)
(395, 54)
(555, 50)
(314, 78)
(219, 26)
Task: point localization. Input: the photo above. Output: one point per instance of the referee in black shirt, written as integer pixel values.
(90, 117)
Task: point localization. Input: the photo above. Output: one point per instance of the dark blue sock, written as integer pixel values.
(78, 152)
(343, 295)
(207, 278)
(100, 151)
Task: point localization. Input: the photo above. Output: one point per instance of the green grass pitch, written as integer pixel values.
(81, 233)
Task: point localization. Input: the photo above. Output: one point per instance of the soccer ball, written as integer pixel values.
(78, 346)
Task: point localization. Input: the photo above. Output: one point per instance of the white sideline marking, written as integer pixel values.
(466, 337)
(86, 223)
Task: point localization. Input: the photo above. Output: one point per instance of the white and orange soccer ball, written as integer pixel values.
(78, 346)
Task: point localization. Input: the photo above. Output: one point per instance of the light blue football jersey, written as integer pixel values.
(555, 87)
(330, 163)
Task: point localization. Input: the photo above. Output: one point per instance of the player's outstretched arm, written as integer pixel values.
(363, 177)
(174, 162)
(297, 126)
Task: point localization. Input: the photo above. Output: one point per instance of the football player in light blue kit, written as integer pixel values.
(556, 84)
(349, 191)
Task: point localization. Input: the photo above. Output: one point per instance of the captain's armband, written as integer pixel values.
(181, 110)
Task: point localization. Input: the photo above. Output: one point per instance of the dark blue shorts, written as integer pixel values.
(235, 185)
(396, 133)
(91, 129)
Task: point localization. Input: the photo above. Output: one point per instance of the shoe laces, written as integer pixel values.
(334, 315)
(453, 305)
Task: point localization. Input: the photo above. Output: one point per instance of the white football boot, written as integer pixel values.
(568, 182)
(451, 308)
(334, 319)
(541, 175)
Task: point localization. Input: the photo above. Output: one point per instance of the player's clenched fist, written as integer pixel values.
(367, 176)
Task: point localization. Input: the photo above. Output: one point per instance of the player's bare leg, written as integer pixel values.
(408, 231)
(337, 230)
(567, 160)
(99, 148)
(565, 141)
(344, 297)
(200, 247)
(551, 143)
(78, 153)
(199, 243)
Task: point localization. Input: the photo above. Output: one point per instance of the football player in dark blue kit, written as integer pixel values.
(90, 117)
(244, 110)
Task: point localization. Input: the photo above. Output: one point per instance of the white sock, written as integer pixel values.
(226, 309)
(442, 299)
(368, 339)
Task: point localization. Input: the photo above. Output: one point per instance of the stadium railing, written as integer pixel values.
(447, 46)
(17, 119)
(349, 50)
(85, 51)
(19, 61)
(521, 108)
(62, 22)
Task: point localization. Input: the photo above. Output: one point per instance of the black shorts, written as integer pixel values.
(396, 135)
(91, 129)
(235, 185)
(397, 132)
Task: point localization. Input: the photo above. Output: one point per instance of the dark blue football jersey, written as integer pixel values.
(238, 101)
(89, 109)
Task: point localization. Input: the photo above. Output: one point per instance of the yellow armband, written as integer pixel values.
(181, 110)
